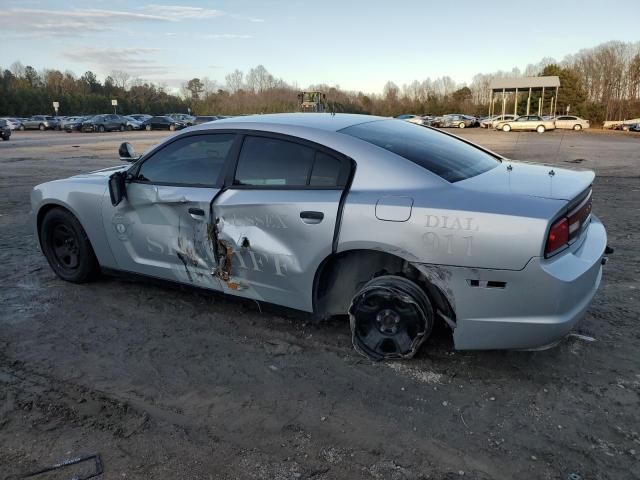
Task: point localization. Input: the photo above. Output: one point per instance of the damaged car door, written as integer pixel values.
(277, 218)
(162, 228)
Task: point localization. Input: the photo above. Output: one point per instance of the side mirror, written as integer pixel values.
(117, 187)
(127, 153)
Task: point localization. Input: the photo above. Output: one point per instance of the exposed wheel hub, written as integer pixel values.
(388, 321)
(390, 318)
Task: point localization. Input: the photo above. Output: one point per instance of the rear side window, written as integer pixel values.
(447, 157)
(326, 171)
(270, 161)
(194, 160)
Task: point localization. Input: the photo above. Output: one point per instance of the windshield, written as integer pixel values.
(446, 156)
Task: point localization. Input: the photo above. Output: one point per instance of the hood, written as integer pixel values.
(533, 180)
(105, 172)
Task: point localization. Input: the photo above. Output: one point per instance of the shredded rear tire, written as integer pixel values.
(390, 317)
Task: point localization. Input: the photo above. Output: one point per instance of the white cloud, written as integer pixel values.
(178, 12)
(59, 23)
(33, 22)
(135, 61)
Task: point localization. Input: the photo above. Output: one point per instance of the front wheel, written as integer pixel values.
(148, 128)
(461, 125)
(172, 127)
(41, 127)
(390, 317)
(577, 127)
(66, 246)
(506, 128)
(123, 128)
(540, 129)
(21, 128)
(129, 127)
(101, 128)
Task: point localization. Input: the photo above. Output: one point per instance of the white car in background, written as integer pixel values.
(526, 122)
(569, 122)
(492, 121)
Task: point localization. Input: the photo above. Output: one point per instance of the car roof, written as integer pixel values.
(320, 121)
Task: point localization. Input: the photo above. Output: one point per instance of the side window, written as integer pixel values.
(325, 172)
(270, 161)
(194, 160)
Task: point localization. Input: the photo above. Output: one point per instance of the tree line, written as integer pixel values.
(598, 83)
(25, 92)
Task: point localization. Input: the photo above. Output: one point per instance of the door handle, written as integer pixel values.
(311, 216)
(196, 211)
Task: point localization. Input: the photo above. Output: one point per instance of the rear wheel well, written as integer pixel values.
(341, 275)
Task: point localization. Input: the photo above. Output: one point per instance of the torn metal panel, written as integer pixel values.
(267, 249)
(153, 233)
(440, 276)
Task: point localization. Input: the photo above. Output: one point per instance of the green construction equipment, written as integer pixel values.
(312, 101)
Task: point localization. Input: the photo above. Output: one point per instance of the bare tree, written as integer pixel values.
(234, 80)
(120, 78)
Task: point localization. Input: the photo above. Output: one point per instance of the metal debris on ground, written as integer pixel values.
(97, 470)
(579, 336)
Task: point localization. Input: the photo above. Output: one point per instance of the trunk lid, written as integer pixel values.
(533, 180)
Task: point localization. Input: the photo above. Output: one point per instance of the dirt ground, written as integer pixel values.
(168, 382)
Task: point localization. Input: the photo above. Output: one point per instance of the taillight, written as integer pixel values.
(568, 228)
(558, 236)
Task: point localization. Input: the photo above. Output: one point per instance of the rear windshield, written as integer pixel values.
(446, 156)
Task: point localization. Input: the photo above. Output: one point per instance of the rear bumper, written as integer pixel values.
(536, 307)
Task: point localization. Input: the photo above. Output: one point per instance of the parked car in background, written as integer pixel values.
(634, 127)
(627, 127)
(41, 122)
(64, 121)
(13, 123)
(396, 225)
(569, 122)
(162, 122)
(455, 120)
(5, 130)
(491, 122)
(141, 117)
(527, 122)
(418, 120)
(183, 117)
(204, 119)
(104, 123)
(132, 123)
(75, 125)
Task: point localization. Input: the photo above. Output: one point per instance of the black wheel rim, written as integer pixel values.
(387, 322)
(65, 247)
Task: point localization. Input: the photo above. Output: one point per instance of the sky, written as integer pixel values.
(356, 44)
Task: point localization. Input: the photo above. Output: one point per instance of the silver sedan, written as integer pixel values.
(526, 122)
(396, 225)
(569, 122)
